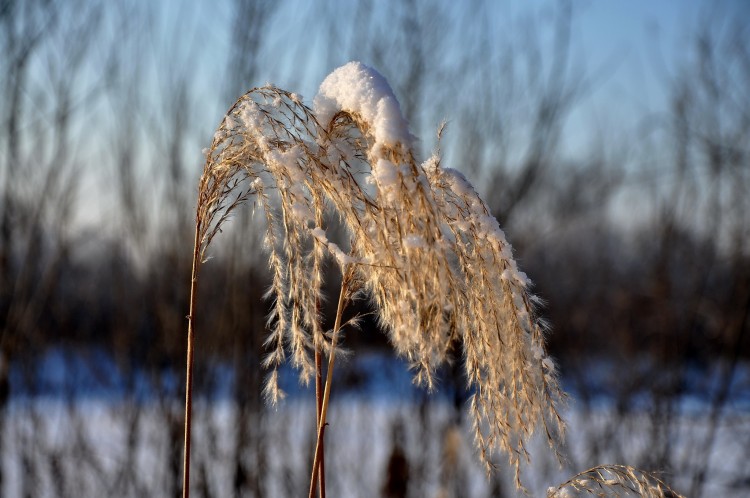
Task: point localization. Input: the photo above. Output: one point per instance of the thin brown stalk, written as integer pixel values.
(319, 408)
(189, 363)
(329, 376)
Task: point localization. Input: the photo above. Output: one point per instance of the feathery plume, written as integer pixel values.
(423, 245)
(613, 481)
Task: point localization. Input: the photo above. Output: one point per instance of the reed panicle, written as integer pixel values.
(423, 246)
(613, 481)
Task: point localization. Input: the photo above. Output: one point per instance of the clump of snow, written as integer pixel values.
(559, 493)
(341, 257)
(386, 173)
(459, 184)
(538, 351)
(319, 234)
(290, 160)
(229, 122)
(414, 241)
(359, 89)
(387, 178)
(302, 212)
(513, 274)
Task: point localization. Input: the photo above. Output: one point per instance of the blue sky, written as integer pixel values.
(627, 44)
(629, 48)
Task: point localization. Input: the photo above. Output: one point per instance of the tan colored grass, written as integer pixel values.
(613, 481)
(422, 245)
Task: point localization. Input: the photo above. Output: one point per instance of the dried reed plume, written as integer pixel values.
(422, 245)
(611, 481)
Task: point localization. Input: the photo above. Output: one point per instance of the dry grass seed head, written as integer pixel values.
(613, 481)
(424, 246)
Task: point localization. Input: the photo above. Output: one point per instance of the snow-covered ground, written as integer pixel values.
(105, 446)
(86, 447)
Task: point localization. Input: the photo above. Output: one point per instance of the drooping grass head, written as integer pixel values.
(421, 243)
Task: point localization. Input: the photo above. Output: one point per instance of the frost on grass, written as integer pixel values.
(421, 242)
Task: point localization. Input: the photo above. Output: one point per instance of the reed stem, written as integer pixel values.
(319, 406)
(329, 376)
(189, 363)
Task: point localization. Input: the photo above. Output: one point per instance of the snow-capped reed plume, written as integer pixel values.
(422, 245)
(613, 481)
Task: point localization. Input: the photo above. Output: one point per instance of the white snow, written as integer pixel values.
(302, 212)
(359, 89)
(290, 160)
(386, 173)
(250, 115)
(414, 241)
(319, 234)
(341, 257)
(257, 184)
(538, 352)
(360, 431)
(431, 165)
(459, 184)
